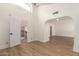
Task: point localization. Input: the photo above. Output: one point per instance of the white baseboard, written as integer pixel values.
(38, 40)
(75, 50)
(4, 46)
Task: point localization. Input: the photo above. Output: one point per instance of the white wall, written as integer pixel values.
(4, 28)
(38, 30)
(45, 13)
(65, 28)
(6, 11)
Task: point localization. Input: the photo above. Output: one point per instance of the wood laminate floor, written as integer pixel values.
(57, 46)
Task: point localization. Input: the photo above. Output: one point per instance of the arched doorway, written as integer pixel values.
(61, 28)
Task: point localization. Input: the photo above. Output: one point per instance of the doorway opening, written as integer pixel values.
(61, 30)
(23, 30)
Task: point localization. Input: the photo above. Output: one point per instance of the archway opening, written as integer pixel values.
(62, 30)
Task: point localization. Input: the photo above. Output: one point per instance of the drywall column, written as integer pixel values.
(32, 33)
(35, 24)
(31, 29)
(76, 40)
(36, 28)
(75, 17)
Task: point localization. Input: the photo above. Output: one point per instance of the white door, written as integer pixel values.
(14, 31)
